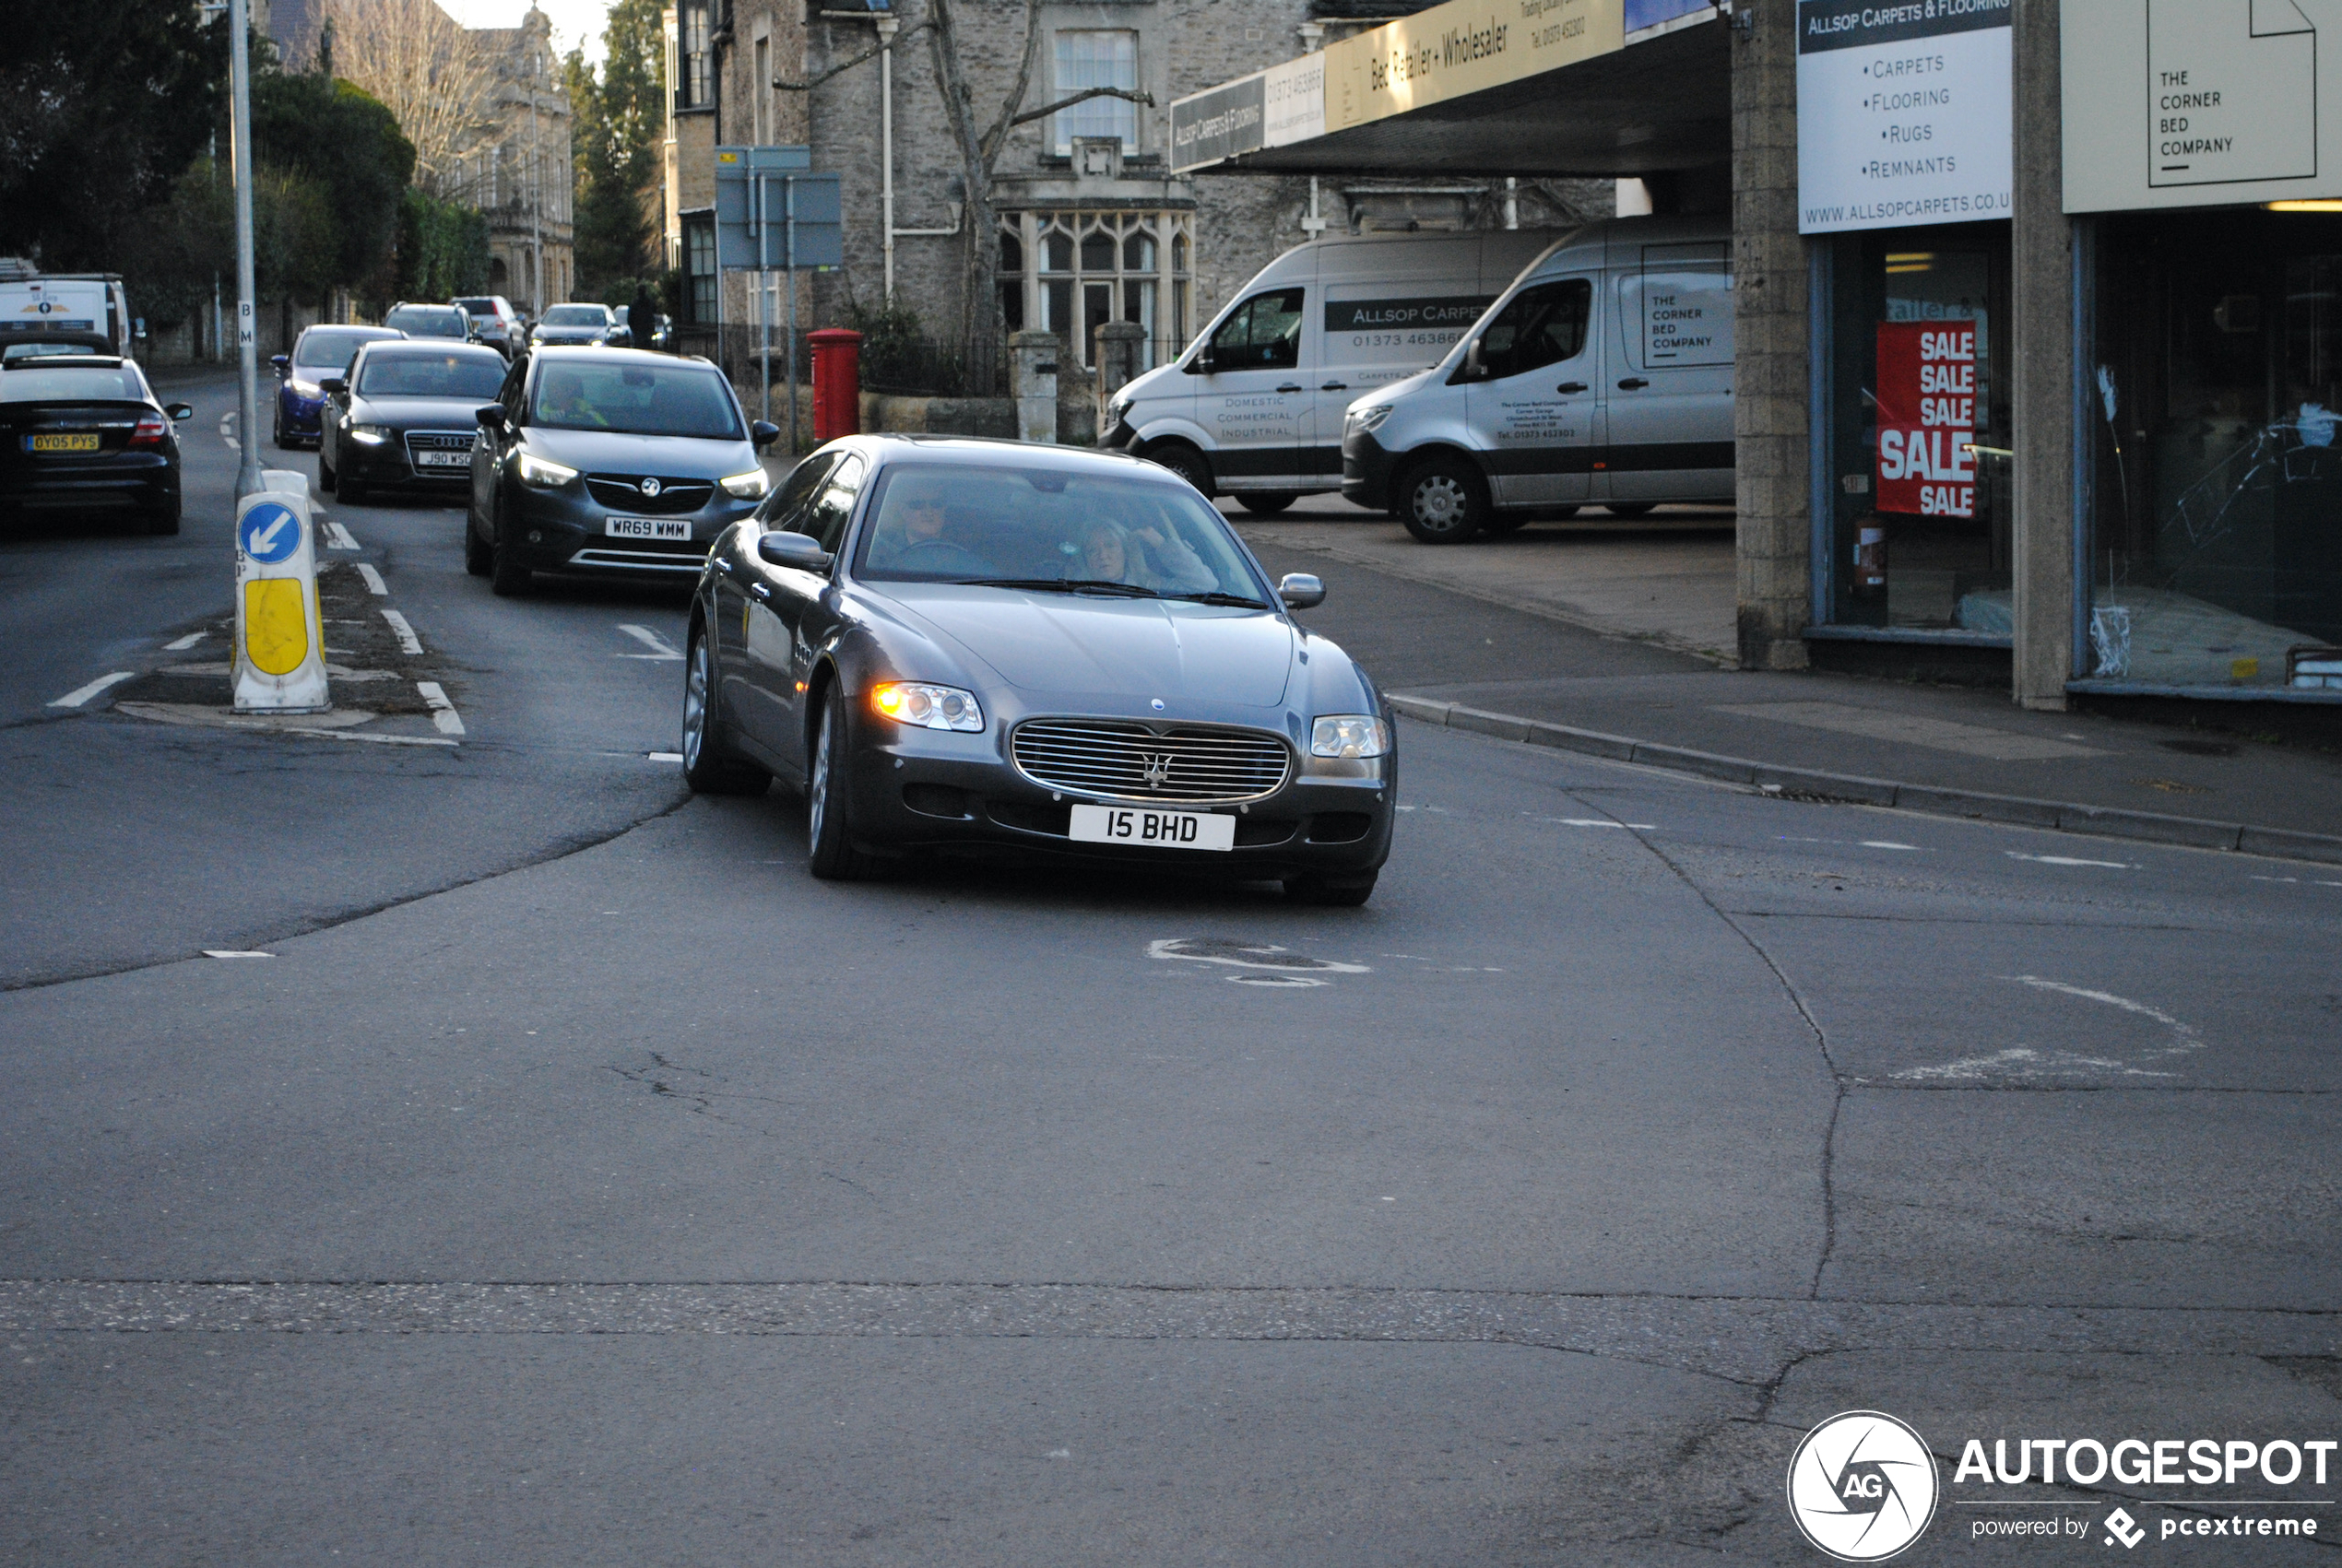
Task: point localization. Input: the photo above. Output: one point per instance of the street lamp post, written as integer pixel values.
(248, 479)
(537, 194)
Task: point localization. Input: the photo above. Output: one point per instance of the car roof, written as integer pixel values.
(69, 363)
(403, 347)
(992, 451)
(354, 329)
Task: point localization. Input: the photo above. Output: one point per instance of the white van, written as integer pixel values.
(1253, 407)
(63, 312)
(1603, 375)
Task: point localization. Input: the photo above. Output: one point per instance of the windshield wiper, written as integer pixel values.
(1063, 585)
(1216, 598)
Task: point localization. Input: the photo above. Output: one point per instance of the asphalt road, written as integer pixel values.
(579, 1182)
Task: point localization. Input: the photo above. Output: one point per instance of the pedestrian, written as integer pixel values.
(642, 323)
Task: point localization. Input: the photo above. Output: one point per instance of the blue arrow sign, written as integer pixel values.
(269, 533)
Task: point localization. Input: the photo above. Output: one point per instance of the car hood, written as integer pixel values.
(569, 334)
(1163, 380)
(1396, 390)
(608, 451)
(418, 413)
(1078, 644)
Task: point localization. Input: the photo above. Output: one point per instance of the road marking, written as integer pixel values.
(231, 953)
(1888, 843)
(226, 420)
(375, 586)
(443, 712)
(1266, 964)
(338, 537)
(664, 755)
(81, 694)
(2108, 997)
(2026, 1063)
(656, 645)
(407, 642)
(183, 643)
(377, 739)
(1602, 822)
(2068, 860)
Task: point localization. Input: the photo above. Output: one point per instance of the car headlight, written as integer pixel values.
(1118, 409)
(369, 435)
(1350, 735)
(1358, 421)
(749, 486)
(304, 389)
(928, 707)
(535, 470)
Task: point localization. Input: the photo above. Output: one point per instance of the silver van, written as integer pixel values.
(1253, 407)
(1602, 375)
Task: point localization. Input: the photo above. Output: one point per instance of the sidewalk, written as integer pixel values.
(1591, 647)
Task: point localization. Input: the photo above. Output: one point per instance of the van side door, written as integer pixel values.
(1670, 375)
(1535, 410)
(1254, 400)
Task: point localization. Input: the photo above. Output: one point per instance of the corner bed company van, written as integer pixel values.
(66, 313)
(1603, 375)
(1253, 407)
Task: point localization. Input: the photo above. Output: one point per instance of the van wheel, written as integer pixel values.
(1185, 462)
(1444, 501)
(1266, 503)
(1628, 508)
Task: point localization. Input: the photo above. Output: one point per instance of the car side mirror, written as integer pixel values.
(179, 411)
(283, 364)
(799, 552)
(489, 416)
(333, 386)
(763, 433)
(1475, 367)
(1201, 365)
(1300, 591)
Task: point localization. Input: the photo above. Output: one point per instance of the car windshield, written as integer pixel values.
(329, 351)
(636, 400)
(1053, 530)
(431, 375)
(72, 383)
(428, 324)
(575, 316)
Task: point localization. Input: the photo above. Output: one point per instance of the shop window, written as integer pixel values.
(2216, 521)
(1097, 59)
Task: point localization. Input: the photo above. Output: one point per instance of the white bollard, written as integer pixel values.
(280, 641)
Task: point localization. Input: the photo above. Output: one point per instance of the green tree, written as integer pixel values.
(347, 148)
(442, 248)
(617, 119)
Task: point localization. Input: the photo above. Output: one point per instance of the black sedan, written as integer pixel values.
(404, 415)
(609, 461)
(83, 432)
(582, 325)
(959, 646)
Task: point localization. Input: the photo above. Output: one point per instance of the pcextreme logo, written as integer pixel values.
(1861, 1486)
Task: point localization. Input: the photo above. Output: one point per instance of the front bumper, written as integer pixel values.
(935, 792)
(564, 530)
(297, 416)
(1367, 472)
(392, 465)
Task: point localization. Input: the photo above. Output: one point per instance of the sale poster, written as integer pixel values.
(1927, 417)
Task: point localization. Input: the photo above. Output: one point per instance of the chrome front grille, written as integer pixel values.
(624, 492)
(437, 440)
(1134, 762)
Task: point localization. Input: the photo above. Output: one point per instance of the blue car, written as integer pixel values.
(318, 352)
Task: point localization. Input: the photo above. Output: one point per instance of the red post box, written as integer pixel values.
(837, 382)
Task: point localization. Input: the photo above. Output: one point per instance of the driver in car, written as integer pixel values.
(1148, 555)
(565, 403)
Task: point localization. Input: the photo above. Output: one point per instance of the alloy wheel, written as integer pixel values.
(695, 685)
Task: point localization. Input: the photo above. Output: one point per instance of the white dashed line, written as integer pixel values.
(656, 645)
(337, 537)
(377, 739)
(375, 584)
(1888, 843)
(181, 645)
(81, 694)
(664, 755)
(443, 712)
(2069, 860)
(227, 423)
(231, 953)
(1602, 822)
(407, 642)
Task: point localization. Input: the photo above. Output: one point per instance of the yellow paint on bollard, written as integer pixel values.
(276, 624)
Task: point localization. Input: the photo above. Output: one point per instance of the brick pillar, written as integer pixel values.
(1771, 411)
(2042, 276)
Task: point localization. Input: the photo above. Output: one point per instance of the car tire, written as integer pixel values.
(1185, 462)
(1330, 893)
(164, 518)
(277, 432)
(830, 852)
(1444, 500)
(479, 559)
(709, 765)
(1628, 508)
(1267, 503)
(327, 480)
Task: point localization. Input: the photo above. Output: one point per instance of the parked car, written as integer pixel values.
(969, 647)
(429, 321)
(609, 461)
(404, 413)
(583, 323)
(495, 323)
(1253, 407)
(84, 433)
(1603, 375)
(318, 352)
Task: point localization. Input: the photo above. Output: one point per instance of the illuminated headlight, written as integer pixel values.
(1350, 735)
(928, 707)
(1358, 421)
(545, 476)
(369, 435)
(749, 486)
(304, 389)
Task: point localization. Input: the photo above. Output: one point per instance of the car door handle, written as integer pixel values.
(1335, 386)
(1633, 384)
(1290, 387)
(760, 592)
(1572, 387)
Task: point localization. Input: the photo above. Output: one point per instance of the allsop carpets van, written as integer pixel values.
(1253, 407)
(1605, 375)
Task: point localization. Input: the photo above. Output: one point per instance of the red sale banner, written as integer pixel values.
(1927, 417)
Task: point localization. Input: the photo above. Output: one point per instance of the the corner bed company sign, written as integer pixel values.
(2198, 102)
(1902, 113)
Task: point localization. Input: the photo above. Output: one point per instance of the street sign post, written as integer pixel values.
(280, 643)
(773, 213)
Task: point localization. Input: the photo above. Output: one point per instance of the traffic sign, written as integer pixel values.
(772, 214)
(268, 532)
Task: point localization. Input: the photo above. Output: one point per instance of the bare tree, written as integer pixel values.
(418, 60)
(979, 153)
